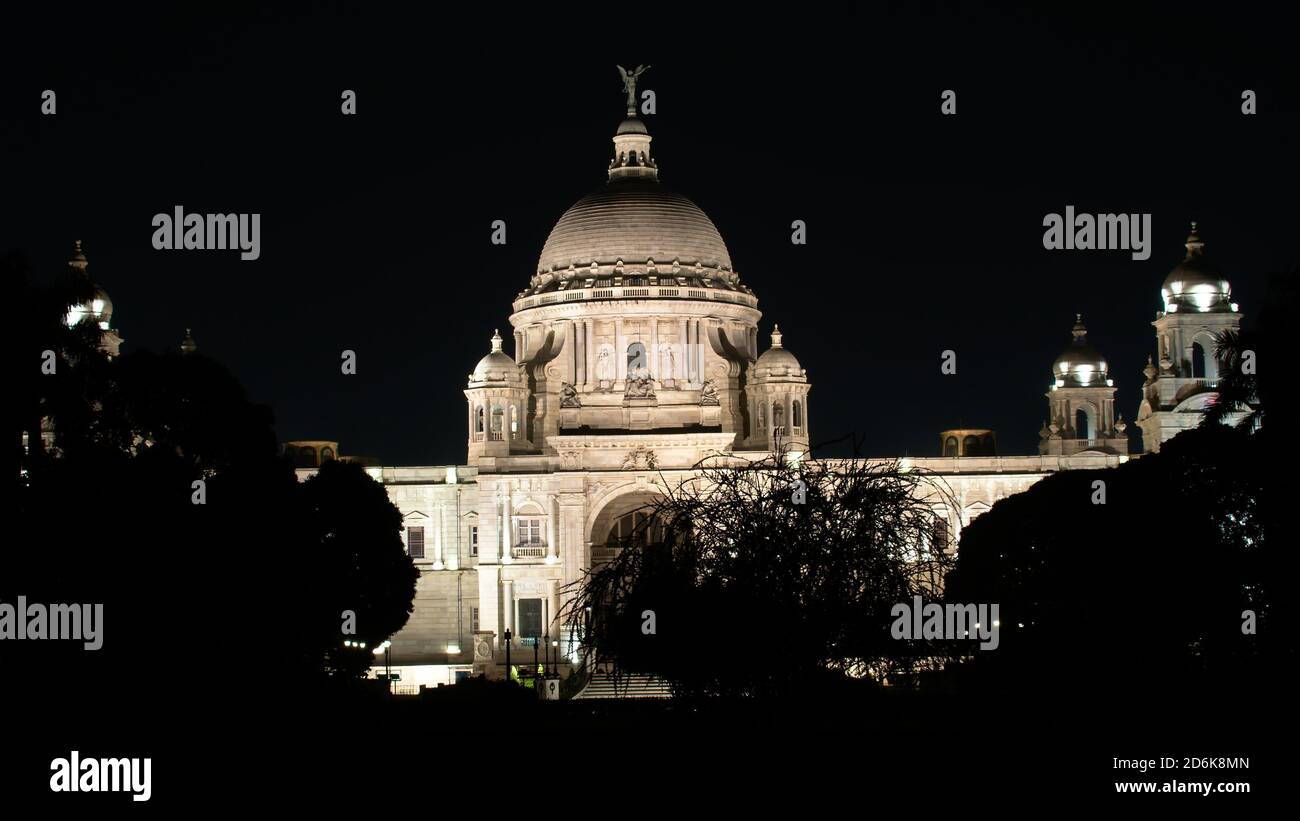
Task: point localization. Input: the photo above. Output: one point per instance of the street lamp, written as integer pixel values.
(388, 675)
(507, 637)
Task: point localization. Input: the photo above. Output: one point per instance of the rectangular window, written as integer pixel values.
(415, 542)
(473, 541)
(473, 620)
(530, 532)
(530, 618)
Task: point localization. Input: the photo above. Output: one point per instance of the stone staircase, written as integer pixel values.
(603, 685)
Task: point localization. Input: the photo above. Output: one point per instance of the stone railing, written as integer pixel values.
(529, 550)
(637, 292)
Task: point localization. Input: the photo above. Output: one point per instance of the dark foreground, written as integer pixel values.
(496, 752)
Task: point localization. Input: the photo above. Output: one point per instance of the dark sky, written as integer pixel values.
(925, 232)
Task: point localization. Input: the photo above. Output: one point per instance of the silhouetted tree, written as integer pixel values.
(766, 577)
(237, 598)
(1144, 591)
(1266, 385)
(355, 560)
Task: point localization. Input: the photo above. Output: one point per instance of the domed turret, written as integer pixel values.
(1182, 375)
(778, 399)
(1081, 403)
(98, 309)
(1196, 284)
(498, 406)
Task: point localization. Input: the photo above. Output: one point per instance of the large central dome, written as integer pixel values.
(634, 220)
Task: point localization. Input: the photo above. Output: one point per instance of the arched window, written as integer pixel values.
(326, 453)
(797, 414)
(514, 421)
(292, 453)
(478, 420)
(950, 446)
(307, 456)
(778, 415)
(636, 357)
(1202, 365)
(970, 446)
(1081, 427)
(639, 526)
(497, 417)
(939, 535)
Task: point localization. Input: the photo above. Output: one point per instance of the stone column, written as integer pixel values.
(435, 520)
(682, 353)
(553, 600)
(620, 354)
(654, 363)
(589, 337)
(508, 604)
(571, 346)
(552, 532)
(700, 343)
(507, 528)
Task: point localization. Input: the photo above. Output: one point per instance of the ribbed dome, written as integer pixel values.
(633, 221)
(632, 126)
(1196, 284)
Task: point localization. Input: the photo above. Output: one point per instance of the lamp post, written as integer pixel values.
(388, 673)
(507, 637)
(555, 657)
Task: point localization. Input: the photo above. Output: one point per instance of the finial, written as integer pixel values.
(1080, 330)
(1194, 244)
(496, 341)
(78, 260)
(776, 336)
(188, 345)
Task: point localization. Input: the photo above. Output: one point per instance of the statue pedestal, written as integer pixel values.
(485, 653)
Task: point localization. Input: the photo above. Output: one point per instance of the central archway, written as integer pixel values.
(616, 518)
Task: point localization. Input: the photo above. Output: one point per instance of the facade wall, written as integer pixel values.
(576, 507)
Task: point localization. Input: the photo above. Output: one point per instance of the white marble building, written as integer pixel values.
(636, 354)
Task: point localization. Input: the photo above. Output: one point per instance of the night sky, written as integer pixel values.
(925, 232)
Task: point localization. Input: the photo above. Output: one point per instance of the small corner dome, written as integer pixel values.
(778, 360)
(1080, 364)
(497, 366)
(99, 309)
(1196, 284)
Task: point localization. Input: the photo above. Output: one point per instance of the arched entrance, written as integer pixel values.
(618, 518)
